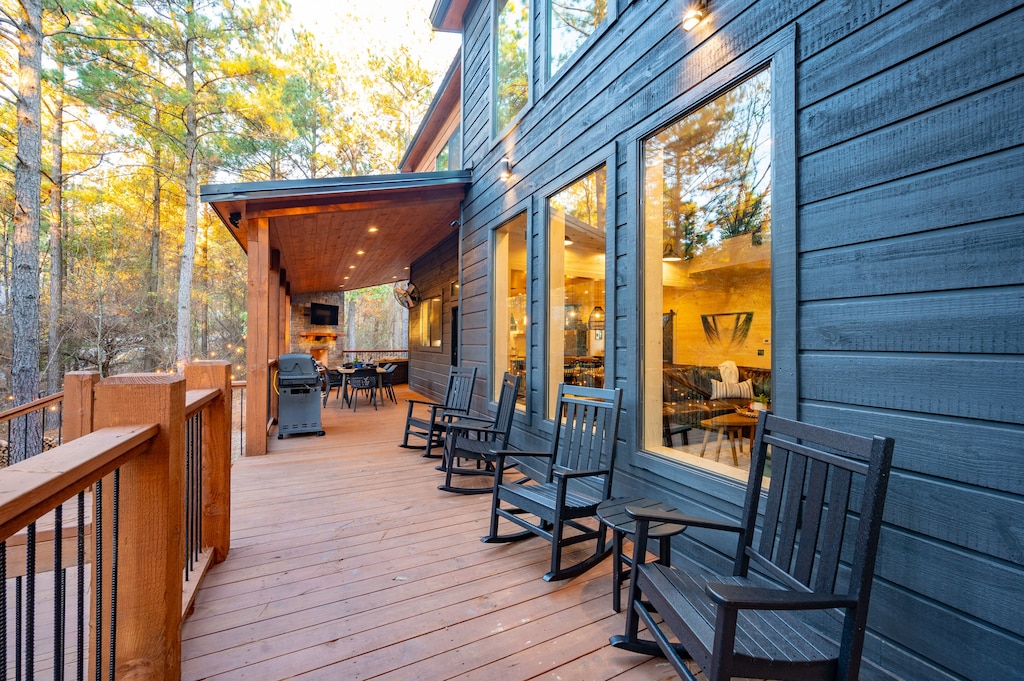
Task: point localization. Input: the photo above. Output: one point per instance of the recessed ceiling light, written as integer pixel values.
(351, 267)
(372, 230)
(360, 252)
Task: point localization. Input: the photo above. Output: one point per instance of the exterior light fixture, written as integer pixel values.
(505, 168)
(234, 219)
(669, 254)
(695, 14)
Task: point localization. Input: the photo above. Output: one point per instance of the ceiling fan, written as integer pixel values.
(406, 294)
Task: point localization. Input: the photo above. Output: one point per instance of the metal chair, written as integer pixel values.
(388, 382)
(468, 441)
(431, 425)
(363, 380)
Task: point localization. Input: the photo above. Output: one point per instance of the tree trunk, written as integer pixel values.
(54, 362)
(188, 252)
(27, 179)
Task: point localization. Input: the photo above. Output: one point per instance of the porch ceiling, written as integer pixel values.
(319, 226)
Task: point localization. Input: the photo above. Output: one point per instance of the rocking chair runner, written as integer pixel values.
(784, 613)
(468, 441)
(579, 477)
(431, 426)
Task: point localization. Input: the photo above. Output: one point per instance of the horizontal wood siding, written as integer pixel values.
(910, 281)
(433, 275)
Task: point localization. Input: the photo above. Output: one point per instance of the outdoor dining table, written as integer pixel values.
(346, 372)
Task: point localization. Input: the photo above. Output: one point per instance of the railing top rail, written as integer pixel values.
(31, 488)
(197, 399)
(28, 407)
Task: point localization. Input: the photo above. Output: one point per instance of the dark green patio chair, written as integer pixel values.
(428, 420)
(468, 440)
(578, 477)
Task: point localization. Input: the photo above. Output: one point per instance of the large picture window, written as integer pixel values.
(511, 323)
(576, 277)
(511, 60)
(570, 24)
(708, 274)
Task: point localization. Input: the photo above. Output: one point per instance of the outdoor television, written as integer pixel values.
(325, 315)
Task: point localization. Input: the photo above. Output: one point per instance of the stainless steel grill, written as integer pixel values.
(299, 385)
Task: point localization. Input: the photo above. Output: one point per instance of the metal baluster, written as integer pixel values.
(199, 488)
(17, 629)
(80, 596)
(115, 527)
(3, 608)
(188, 499)
(58, 593)
(30, 602)
(97, 526)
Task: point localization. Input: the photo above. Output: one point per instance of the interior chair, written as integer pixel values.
(466, 441)
(388, 382)
(363, 381)
(577, 477)
(796, 603)
(428, 420)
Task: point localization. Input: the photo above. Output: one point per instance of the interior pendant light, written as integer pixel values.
(596, 320)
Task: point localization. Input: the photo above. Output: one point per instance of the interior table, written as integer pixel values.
(731, 427)
(613, 514)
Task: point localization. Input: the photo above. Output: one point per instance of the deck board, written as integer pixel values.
(347, 562)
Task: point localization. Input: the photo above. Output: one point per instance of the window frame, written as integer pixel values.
(496, 133)
(606, 156)
(779, 56)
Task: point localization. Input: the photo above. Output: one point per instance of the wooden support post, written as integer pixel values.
(78, 386)
(151, 546)
(257, 342)
(273, 318)
(216, 454)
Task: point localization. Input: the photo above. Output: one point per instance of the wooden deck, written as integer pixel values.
(348, 563)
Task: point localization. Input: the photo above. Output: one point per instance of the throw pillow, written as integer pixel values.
(721, 390)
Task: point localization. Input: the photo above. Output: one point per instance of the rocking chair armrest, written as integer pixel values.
(569, 473)
(425, 402)
(462, 429)
(676, 518)
(760, 598)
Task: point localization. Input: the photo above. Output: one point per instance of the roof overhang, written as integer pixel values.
(447, 15)
(318, 227)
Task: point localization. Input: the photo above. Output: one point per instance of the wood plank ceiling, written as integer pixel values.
(345, 233)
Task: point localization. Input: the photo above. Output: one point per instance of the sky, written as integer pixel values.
(380, 22)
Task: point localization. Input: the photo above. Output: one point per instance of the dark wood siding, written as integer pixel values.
(909, 283)
(433, 275)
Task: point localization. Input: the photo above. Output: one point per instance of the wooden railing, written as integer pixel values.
(372, 355)
(145, 476)
(31, 428)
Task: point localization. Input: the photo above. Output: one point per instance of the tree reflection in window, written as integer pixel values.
(511, 62)
(717, 170)
(570, 23)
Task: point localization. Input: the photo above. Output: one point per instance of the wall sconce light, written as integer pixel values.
(669, 253)
(596, 320)
(695, 14)
(504, 168)
(234, 219)
(567, 241)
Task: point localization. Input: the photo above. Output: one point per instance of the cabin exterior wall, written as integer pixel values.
(436, 275)
(901, 296)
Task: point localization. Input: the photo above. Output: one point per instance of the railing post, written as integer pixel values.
(151, 546)
(78, 387)
(216, 453)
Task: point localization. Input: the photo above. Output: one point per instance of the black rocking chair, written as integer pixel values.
(796, 605)
(431, 425)
(578, 478)
(466, 440)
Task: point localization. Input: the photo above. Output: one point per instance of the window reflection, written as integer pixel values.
(576, 275)
(569, 25)
(707, 227)
(511, 60)
(510, 307)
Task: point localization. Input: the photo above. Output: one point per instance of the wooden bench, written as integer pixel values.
(795, 607)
